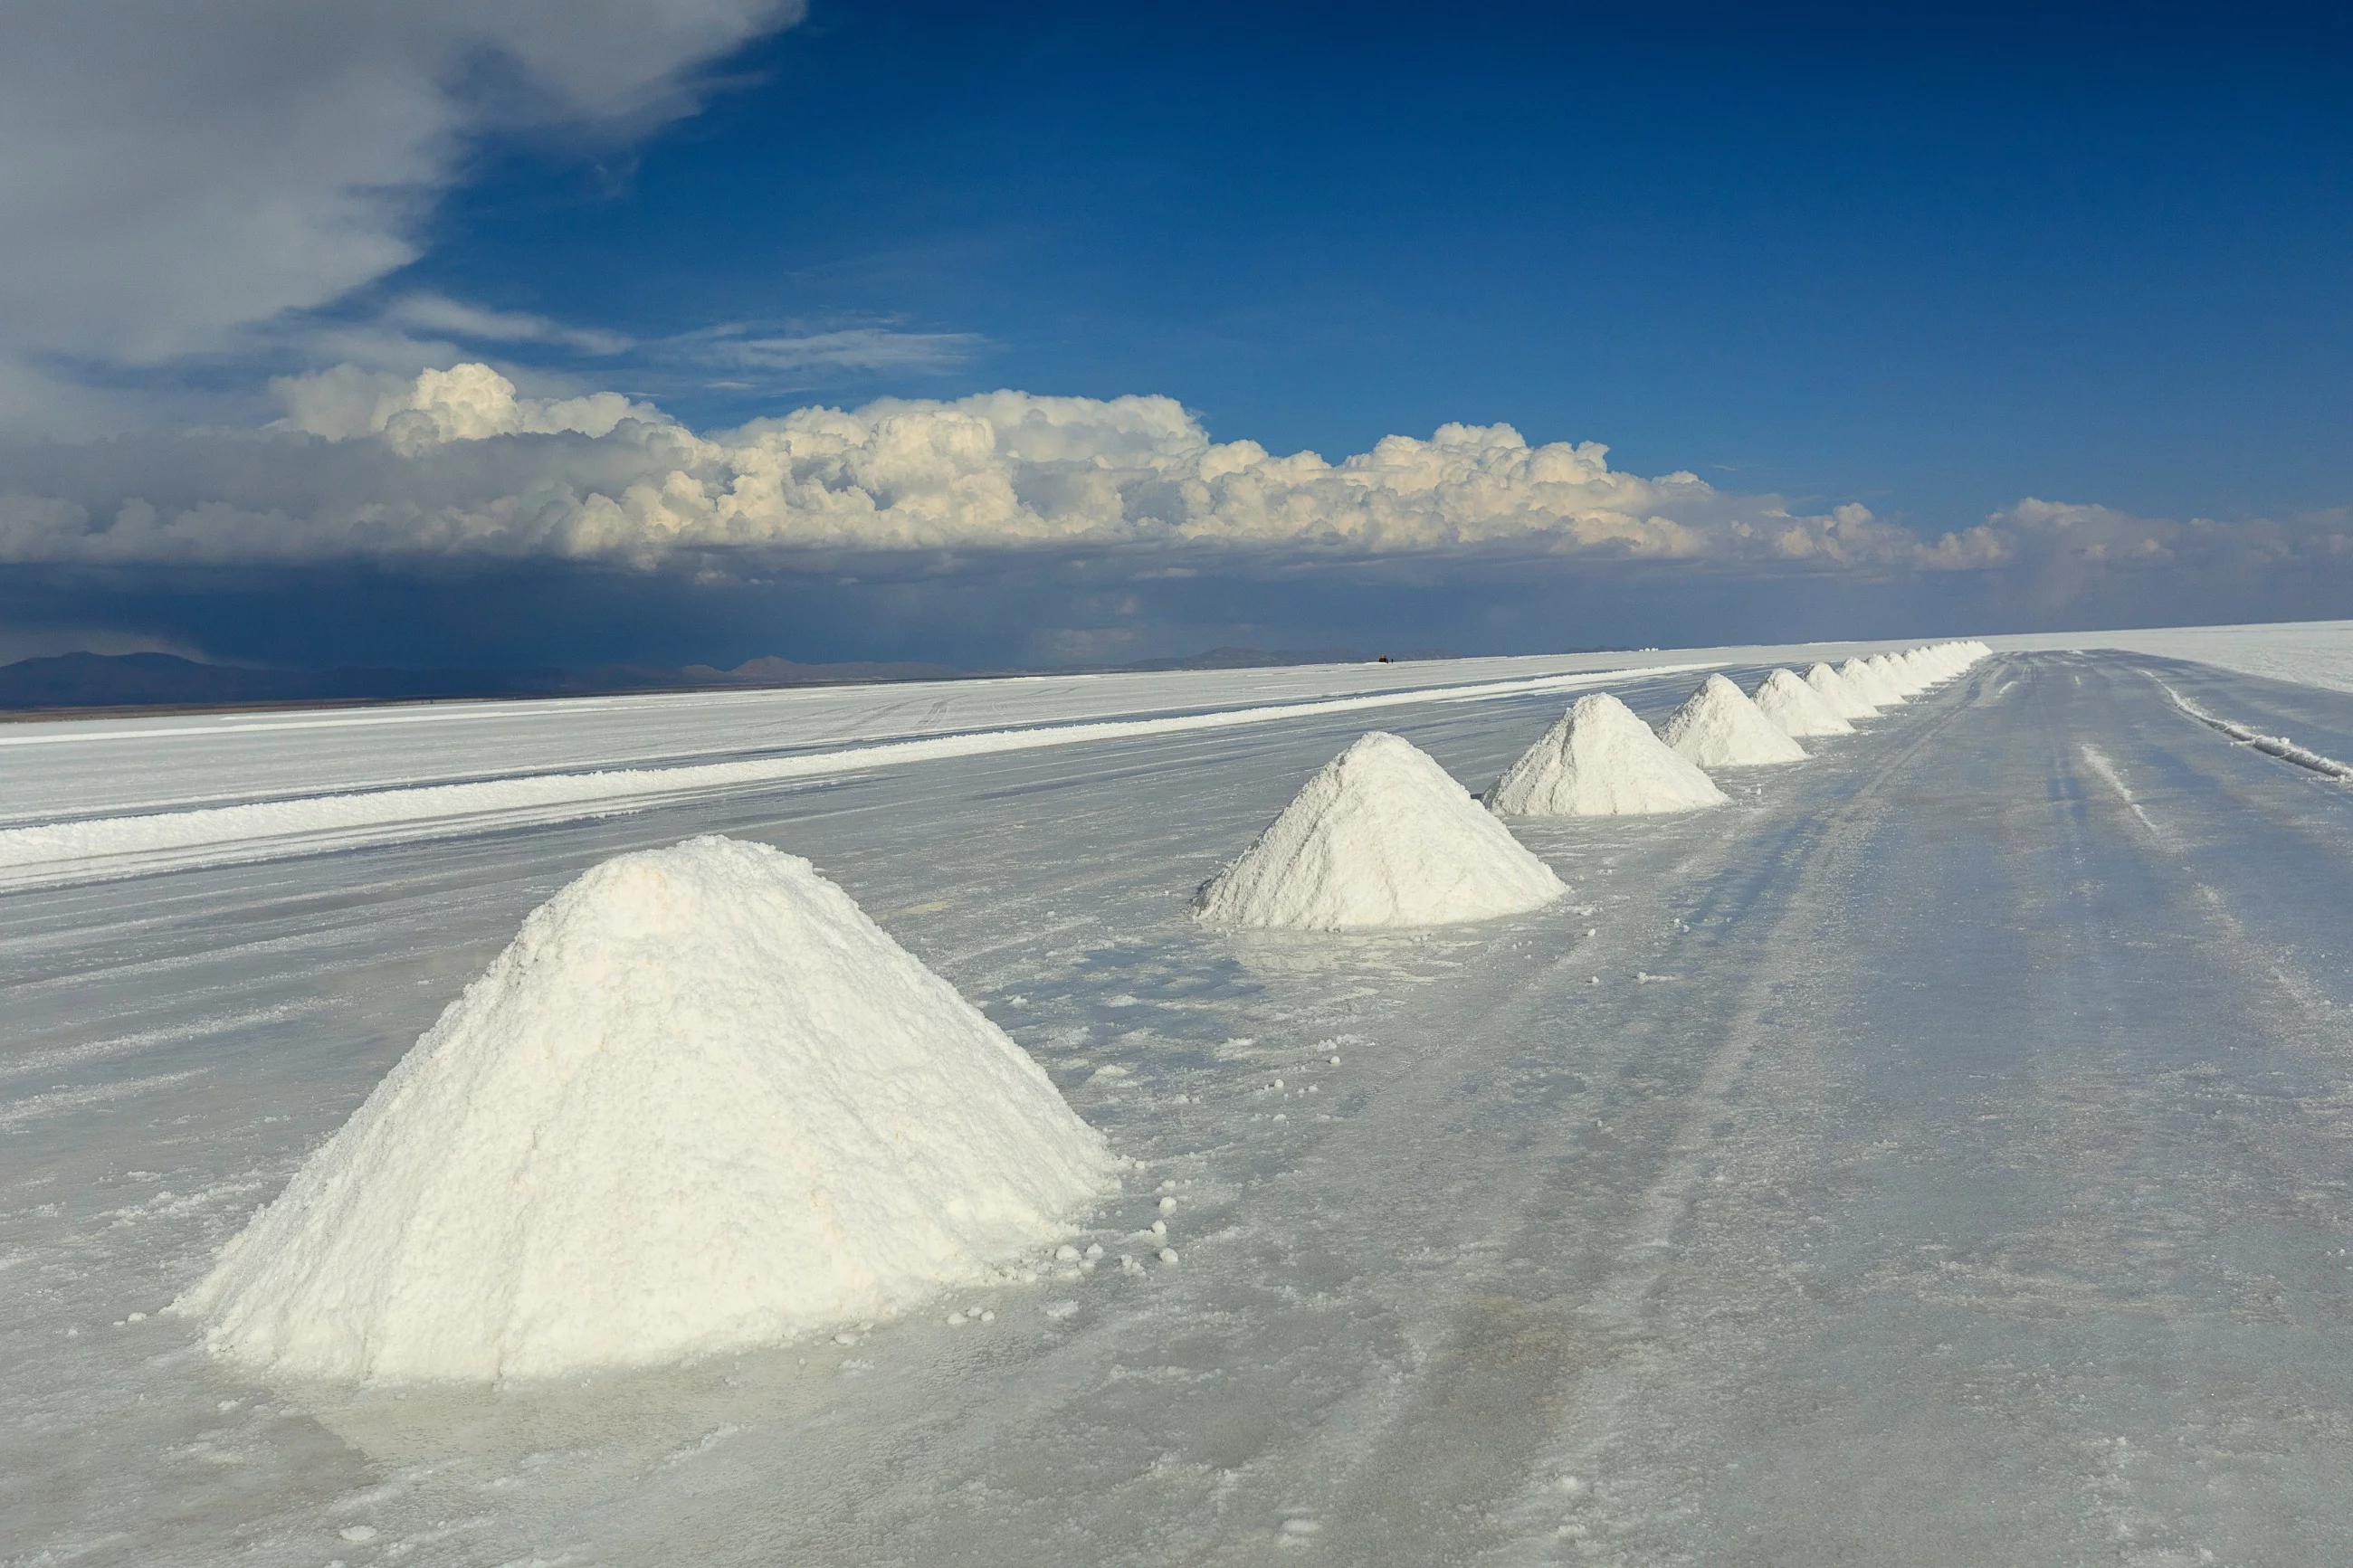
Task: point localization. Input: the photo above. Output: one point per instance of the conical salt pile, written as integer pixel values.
(1381, 836)
(700, 1102)
(1868, 684)
(1794, 708)
(1924, 667)
(1718, 726)
(1898, 679)
(1839, 697)
(1599, 760)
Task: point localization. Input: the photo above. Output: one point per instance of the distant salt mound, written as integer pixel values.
(1837, 694)
(1796, 709)
(1926, 668)
(1718, 726)
(1382, 837)
(1599, 760)
(1899, 679)
(700, 1102)
(1872, 686)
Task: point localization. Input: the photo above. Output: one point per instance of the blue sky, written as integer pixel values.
(1936, 267)
(1945, 262)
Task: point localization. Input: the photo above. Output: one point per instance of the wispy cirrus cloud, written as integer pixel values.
(428, 313)
(737, 346)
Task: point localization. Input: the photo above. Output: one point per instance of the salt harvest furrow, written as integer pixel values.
(2278, 746)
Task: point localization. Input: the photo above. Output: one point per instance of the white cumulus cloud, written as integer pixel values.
(462, 464)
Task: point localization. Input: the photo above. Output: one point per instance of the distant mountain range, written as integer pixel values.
(84, 680)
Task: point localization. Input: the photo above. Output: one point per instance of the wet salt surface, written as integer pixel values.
(1965, 1185)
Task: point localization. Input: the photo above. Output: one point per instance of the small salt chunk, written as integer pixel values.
(988, 1317)
(1094, 1249)
(1066, 1253)
(956, 1319)
(1168, 1205)
(1302, 1526)
(1165, 1188)
(1336, 1061)
(1278, 1083)
(1167, 1255)
(358, 1535)
(1160, 1227)
(136, 1318)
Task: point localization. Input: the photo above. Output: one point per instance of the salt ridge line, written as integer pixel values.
(103, 848)
(2278, 746)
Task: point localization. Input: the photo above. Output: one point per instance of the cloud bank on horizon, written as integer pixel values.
(457, 464)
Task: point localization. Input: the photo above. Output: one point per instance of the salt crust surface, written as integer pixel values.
(1837, 693)
(1796, 709)
(1719, 727)
(1601, 760)
(701, 1101)
(1873, 685)
(1381, 836)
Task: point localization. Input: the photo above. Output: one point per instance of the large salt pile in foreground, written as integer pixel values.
(1601, 760)
(1837, 693)
(1795, 708)
(1718, 726)
(701, 1101)
(1381, 836)
(1868, 684)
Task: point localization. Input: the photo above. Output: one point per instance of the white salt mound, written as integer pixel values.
(1900, 680)
(1837, 695)
(1931, 663)
(700, 1102)
(1868, 683)
(1381, 836)
(1924, 667)
(1718, 726)
(1601, 760)
(1794, 708)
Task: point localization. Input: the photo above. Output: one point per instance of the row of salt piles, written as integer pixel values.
(703, 1102)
